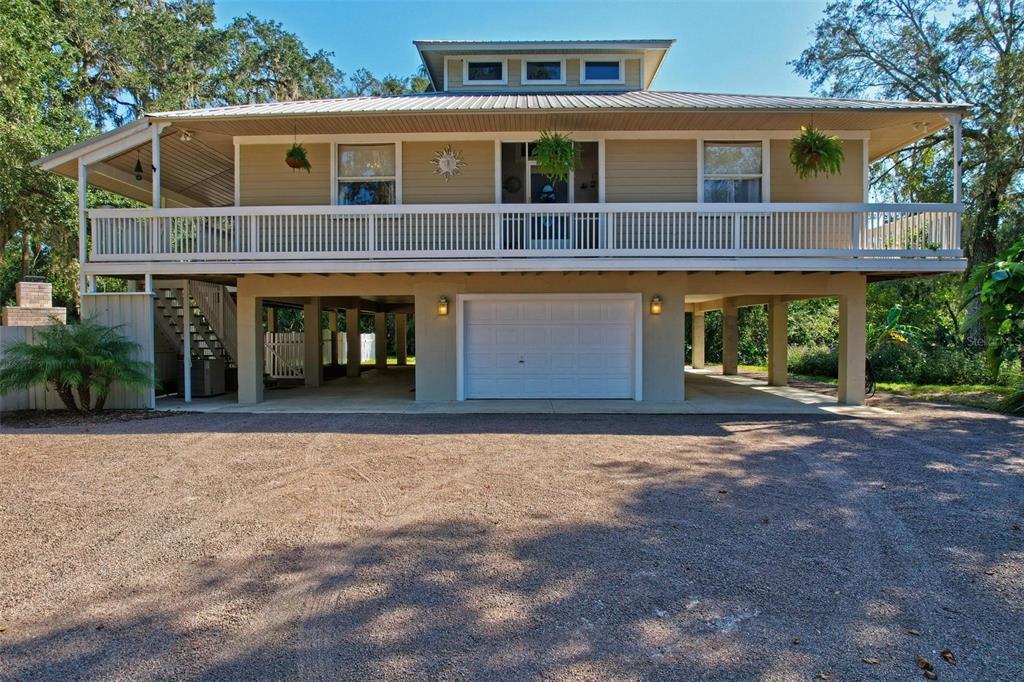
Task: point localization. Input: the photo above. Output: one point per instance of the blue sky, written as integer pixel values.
(732, 47)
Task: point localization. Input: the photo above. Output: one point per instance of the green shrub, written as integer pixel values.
(819, 361)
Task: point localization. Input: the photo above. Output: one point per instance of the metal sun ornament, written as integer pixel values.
(448, 163)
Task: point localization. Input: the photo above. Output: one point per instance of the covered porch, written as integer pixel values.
(392, 391)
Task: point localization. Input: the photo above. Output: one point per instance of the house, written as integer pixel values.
(520, 287)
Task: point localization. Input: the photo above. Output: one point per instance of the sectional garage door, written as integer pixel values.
(550, 346)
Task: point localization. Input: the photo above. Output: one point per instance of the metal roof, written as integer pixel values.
(639, 100)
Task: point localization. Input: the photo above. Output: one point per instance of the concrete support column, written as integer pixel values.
(852, 324)
(380, 340)
(271, 319)
(354, 350)
(697, 327)
(778, 341)
(664, 347)
(250, 349)
(730, 337)
(402, 338)
(332, 325)
(313, 343)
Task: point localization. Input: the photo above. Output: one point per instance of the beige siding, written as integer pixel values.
(572, 78)
(132, 315)
(650, 170)
(848, 186)
(474, 185)
(267, 181)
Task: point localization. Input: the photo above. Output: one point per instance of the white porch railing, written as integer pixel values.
(518, 231)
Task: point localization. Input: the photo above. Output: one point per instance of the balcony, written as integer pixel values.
(514, 234)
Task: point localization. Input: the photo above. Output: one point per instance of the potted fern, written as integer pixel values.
(556, 155)
(814, 152)
(296, 158)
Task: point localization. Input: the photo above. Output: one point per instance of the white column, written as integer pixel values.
(354, 351)
(155, 153)
(852, 324)
(697, 328)
(730, 337)
(402, 338)
(187, 354)
(958, 152)
(380, 340)
(778, 341)
(83, 225)
(313, 339)
(250, 350)
(332, 325)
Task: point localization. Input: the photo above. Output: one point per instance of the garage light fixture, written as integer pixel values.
(442, 306)
(656, 305)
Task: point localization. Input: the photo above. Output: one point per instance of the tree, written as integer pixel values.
(971, 51)
(362, 83)
(998, 290)
(80, 360)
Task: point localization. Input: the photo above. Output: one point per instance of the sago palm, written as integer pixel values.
(83, 359)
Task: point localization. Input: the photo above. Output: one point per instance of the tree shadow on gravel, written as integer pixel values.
(783, 564)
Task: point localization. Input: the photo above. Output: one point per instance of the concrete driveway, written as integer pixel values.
(523, 546)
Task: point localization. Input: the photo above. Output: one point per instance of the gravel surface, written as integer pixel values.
(479, 546)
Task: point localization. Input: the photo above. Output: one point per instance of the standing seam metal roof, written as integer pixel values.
(524, 102)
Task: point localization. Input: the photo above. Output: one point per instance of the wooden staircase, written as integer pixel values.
(213, 329)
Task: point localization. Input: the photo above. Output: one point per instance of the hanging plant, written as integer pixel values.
(296, 158)
(556, 155)
(815, 152)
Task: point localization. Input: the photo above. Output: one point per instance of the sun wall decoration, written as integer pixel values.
(448, 163)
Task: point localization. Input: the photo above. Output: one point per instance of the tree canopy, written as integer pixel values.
(72, 68)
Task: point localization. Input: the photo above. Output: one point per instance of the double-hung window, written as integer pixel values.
(733, 172)
(366, 174)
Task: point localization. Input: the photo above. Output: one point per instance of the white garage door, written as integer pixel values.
(549, 346)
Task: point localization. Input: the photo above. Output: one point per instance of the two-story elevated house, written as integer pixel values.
(431, 205)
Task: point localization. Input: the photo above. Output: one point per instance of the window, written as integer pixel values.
(732, 172)
(602, 71)
(543, 71)
(366, 174)
(484, 72)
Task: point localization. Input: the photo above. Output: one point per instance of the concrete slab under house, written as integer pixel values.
(426, 263)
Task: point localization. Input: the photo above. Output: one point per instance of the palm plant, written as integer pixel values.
(83, 359)
(893, 332)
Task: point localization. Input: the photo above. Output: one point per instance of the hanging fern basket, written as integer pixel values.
(814, 152)
(296, 158)
(556, 156)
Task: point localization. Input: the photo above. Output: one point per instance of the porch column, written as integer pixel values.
(313, 340)
(250, 349)
(354, 359)
(155, 154)
(332, 325)
(401, 338)
(697, 327)
(83, 225)
(730, 337)
(778, 341)
(380, 340)
(271, 319)
(852, 324)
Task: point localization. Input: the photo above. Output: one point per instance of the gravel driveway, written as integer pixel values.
(477, 546)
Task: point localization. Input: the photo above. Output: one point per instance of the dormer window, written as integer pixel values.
(484, 72)
(544, 72)
(602, 71)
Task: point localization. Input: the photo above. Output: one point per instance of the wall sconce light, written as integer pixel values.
(655, 305)
(442, 306)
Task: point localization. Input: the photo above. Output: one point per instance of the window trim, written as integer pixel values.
(465, 71)
(524, 80)
(621, 80)
(704, 176)
(339, 178)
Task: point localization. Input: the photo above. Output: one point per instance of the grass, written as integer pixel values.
(986, 396)
(410, 360)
